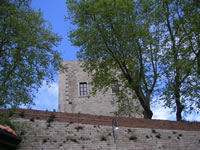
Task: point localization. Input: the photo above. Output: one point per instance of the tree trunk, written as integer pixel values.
(179, 110)
(198, 63)
(179, 106)
(145, 102)
(148, 114)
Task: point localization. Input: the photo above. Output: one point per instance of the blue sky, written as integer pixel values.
(54, 11)
(47, 98)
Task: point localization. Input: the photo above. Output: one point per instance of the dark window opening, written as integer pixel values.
(115, 87)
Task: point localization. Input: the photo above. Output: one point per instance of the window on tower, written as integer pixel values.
(83, 88)
(115, 87)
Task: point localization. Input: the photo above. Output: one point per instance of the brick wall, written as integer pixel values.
(89, 132)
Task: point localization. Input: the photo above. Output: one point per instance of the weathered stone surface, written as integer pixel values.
(71, 101)
(68, 131)
(76, 136)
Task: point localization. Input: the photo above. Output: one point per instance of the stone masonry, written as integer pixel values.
(68, 131)
(71, 101)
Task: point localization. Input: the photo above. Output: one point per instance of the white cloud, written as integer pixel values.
(53, 90)
(162, 113)
(47, 97)
(192, 117)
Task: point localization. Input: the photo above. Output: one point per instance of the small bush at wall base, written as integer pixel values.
(79, 128)
(11, 113)
(154, 131)
(51, 119)
(44, 140)
(32, 119)
(74, 140)
(103, 138)
(84, 138)
(22, 133)
(21, 114)
(174, 132)
(68, 138)
(180, 135)
(129, 131)
(109, 134)
(133, 138)
(5, 120)
(158, 136)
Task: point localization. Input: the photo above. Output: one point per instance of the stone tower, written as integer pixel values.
(75, 93)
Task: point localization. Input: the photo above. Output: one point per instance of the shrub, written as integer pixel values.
(44, 140)
(133, 138)
(79, 128)
(103, 138)
(51, 119)
(158, 136)
(32, 119)
(21, 114)
(154, 131)
(5, 121)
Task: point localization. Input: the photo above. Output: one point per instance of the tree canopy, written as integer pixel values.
(181, 53)
(116, 44)
(27, 55)
(150, 47)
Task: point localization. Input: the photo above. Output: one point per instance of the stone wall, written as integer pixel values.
(43, 130)
(71, 101)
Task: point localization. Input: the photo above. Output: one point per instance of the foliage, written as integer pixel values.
(21, 114)
(150, 47)
(79, 128)
(158, 136)
(133, 138)
(180, 28)
(103, 138)
(50, 119)
(117, 46)
(44, 140)
(6, 121)
(27, 55)
(32, 119)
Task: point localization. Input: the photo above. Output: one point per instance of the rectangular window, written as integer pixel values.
(115, 87)
(83, 88)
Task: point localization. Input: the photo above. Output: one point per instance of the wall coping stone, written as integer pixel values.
(106, 120)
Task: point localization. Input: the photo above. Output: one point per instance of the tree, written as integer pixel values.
(116, 44)
(26, 52)
(179, 22)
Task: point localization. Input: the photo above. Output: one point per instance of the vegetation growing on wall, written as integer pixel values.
(50, 119)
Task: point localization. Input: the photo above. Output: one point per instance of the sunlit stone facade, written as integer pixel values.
(75, 93)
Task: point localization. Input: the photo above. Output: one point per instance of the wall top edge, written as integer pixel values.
(105, 120)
